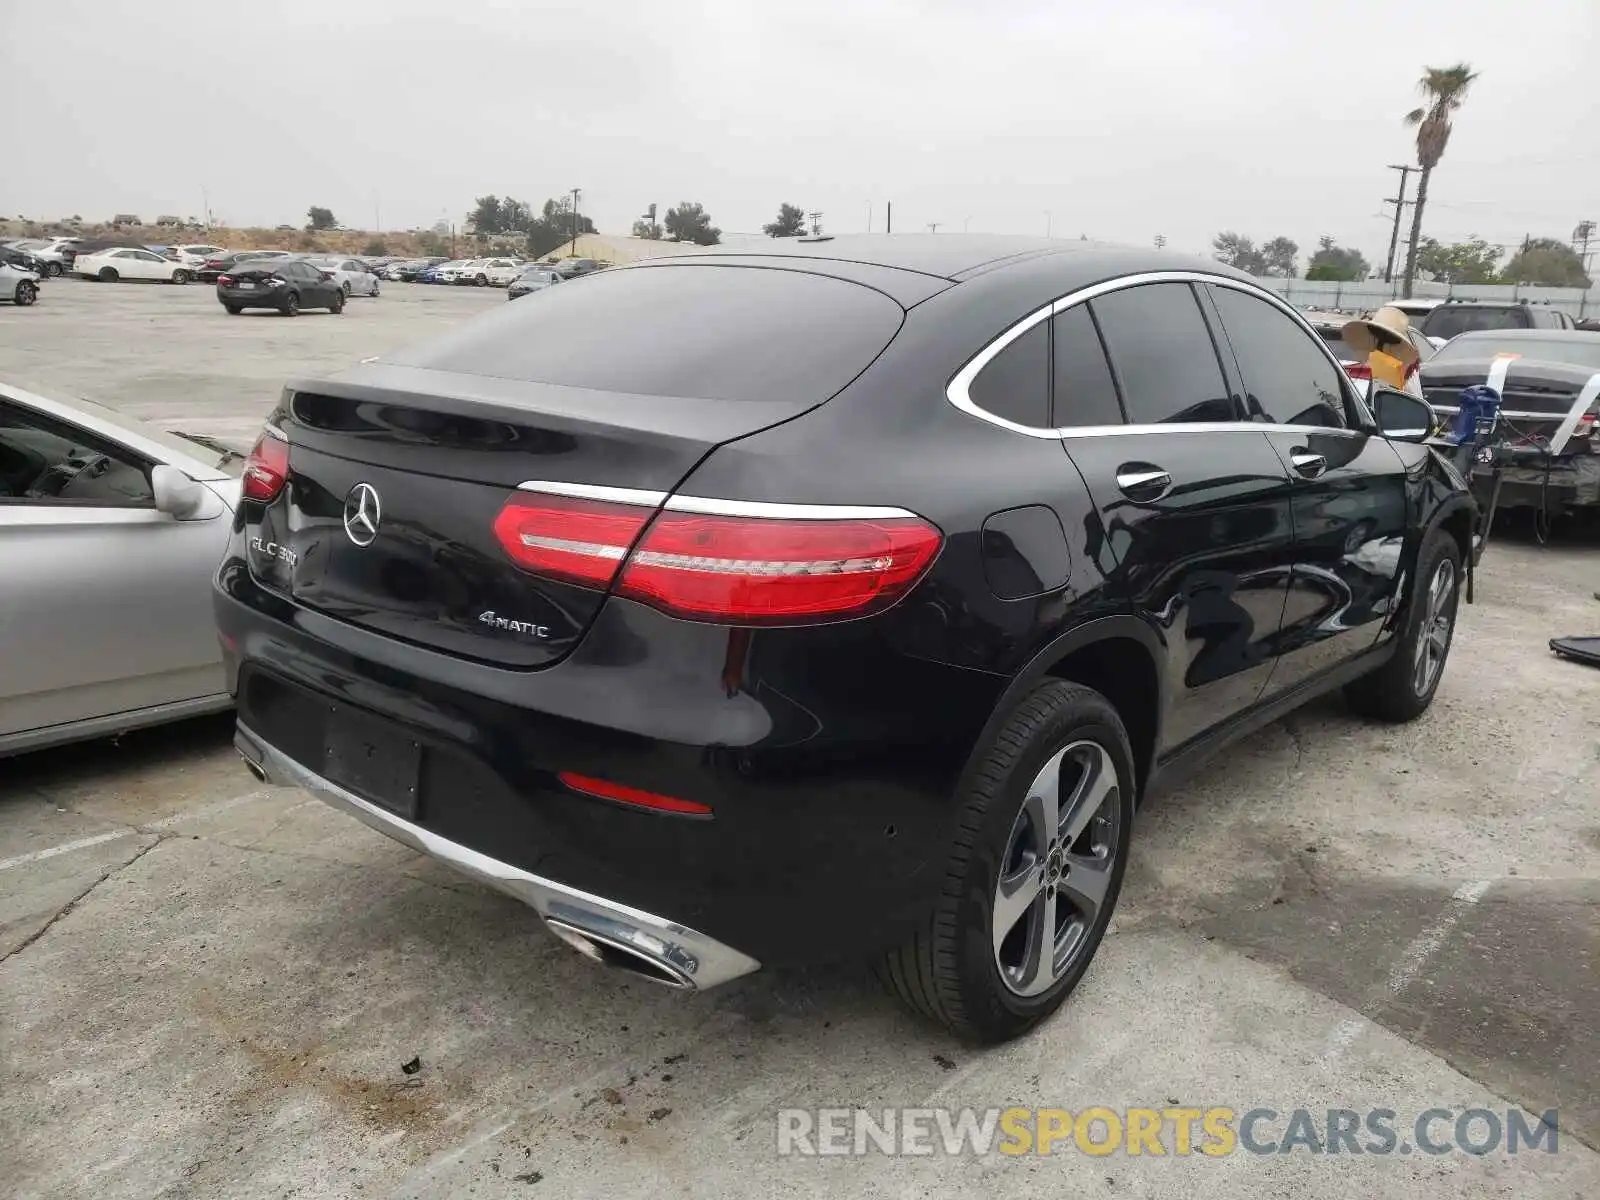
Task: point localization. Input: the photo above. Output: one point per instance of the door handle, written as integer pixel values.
(1141, 481)
(1306, 463)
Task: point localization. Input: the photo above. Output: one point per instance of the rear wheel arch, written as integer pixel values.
(1117, 656)
(1456, 518)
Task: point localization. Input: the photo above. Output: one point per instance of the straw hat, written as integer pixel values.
(1384, 330)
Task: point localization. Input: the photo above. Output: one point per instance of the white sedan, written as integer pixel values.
(196, 255)
(108, 266)
(110, 530)
(501, 271)
(354, 276)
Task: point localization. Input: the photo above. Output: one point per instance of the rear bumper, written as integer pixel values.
(272, 297)
(830, 761)
(683, 957)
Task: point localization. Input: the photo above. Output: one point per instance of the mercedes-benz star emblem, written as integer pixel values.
(362, 512)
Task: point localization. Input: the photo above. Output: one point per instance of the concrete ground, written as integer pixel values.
(208, 989)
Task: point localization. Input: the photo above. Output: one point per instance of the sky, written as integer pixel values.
(1118, 119)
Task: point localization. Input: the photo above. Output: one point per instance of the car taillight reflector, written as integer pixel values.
(732, 569)
(638, 797)
(225, 280)
(1358, 370)
(754, 570)
(267, 467)
(562, 537)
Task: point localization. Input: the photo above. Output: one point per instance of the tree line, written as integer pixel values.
(1280, 257)
(1542, 262)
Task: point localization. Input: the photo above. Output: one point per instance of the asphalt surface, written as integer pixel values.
(209, 989)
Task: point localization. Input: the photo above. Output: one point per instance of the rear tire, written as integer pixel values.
(108, 275)
(1403, 688)
(345, 288)
(25, 294)
(233, 309)
(336, 305)
(180, 277)
(1061, 762)
(291, 305)
(53, 270)
(479, 281)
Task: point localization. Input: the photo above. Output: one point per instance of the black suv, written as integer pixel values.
(1453, 317)
(836, 600)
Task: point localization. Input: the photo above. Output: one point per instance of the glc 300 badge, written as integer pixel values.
(495, 621)
(273, 550)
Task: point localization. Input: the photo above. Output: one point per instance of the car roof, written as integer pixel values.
(954, 255)
(1525, 335)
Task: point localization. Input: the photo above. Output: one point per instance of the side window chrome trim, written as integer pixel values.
(1080, 431)
(958, 391)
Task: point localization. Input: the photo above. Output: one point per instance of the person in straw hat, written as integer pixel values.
(1381, 337)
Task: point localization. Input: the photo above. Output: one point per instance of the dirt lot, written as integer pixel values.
(208, 989)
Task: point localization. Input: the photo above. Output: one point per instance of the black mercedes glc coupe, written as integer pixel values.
(836, 600)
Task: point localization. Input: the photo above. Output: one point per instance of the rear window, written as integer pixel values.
(1581, 349)
(1342, 350)
(1448, 320)
(701, 331)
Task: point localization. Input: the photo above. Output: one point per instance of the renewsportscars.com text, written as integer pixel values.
(1214, 1132)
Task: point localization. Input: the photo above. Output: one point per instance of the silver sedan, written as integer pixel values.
(110, 530)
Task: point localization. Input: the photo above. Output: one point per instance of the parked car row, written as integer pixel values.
(502, 271)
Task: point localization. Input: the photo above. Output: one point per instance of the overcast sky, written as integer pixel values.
(1120, 119)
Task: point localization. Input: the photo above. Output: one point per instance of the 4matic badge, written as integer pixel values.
(495, 621)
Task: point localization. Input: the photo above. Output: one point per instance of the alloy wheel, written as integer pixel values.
(1057, 868)
(1433, 634)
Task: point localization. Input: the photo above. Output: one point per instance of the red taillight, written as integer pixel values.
(764, 571)
(733, 569)
(1358, 370)
(560, 537)
(638, 797)
(267, 467)
(225, 280)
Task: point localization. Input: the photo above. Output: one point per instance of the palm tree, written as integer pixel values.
(1444, 88)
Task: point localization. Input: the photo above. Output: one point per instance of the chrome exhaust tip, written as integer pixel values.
(613, 952)
(254, 768)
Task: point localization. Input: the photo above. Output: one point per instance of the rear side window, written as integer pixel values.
(1084, 392)
(1450, 319)
(1163, 356)
(1288, 380)
(700, 331)
(1015, 385)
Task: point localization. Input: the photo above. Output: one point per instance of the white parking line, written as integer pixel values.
(208, 810)
(188, 814)
(1410, 963)
(65, 848)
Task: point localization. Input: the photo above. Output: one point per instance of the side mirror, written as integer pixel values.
(1401, 416)
(181, 498)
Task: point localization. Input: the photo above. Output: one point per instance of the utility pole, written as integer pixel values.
(888, 216)
(1400, 202)
(933, 226)
(1047, 220)
(1161, 241)
(575, 192)
(816, 224)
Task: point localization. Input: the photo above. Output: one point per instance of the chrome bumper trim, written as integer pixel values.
(682, 954)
